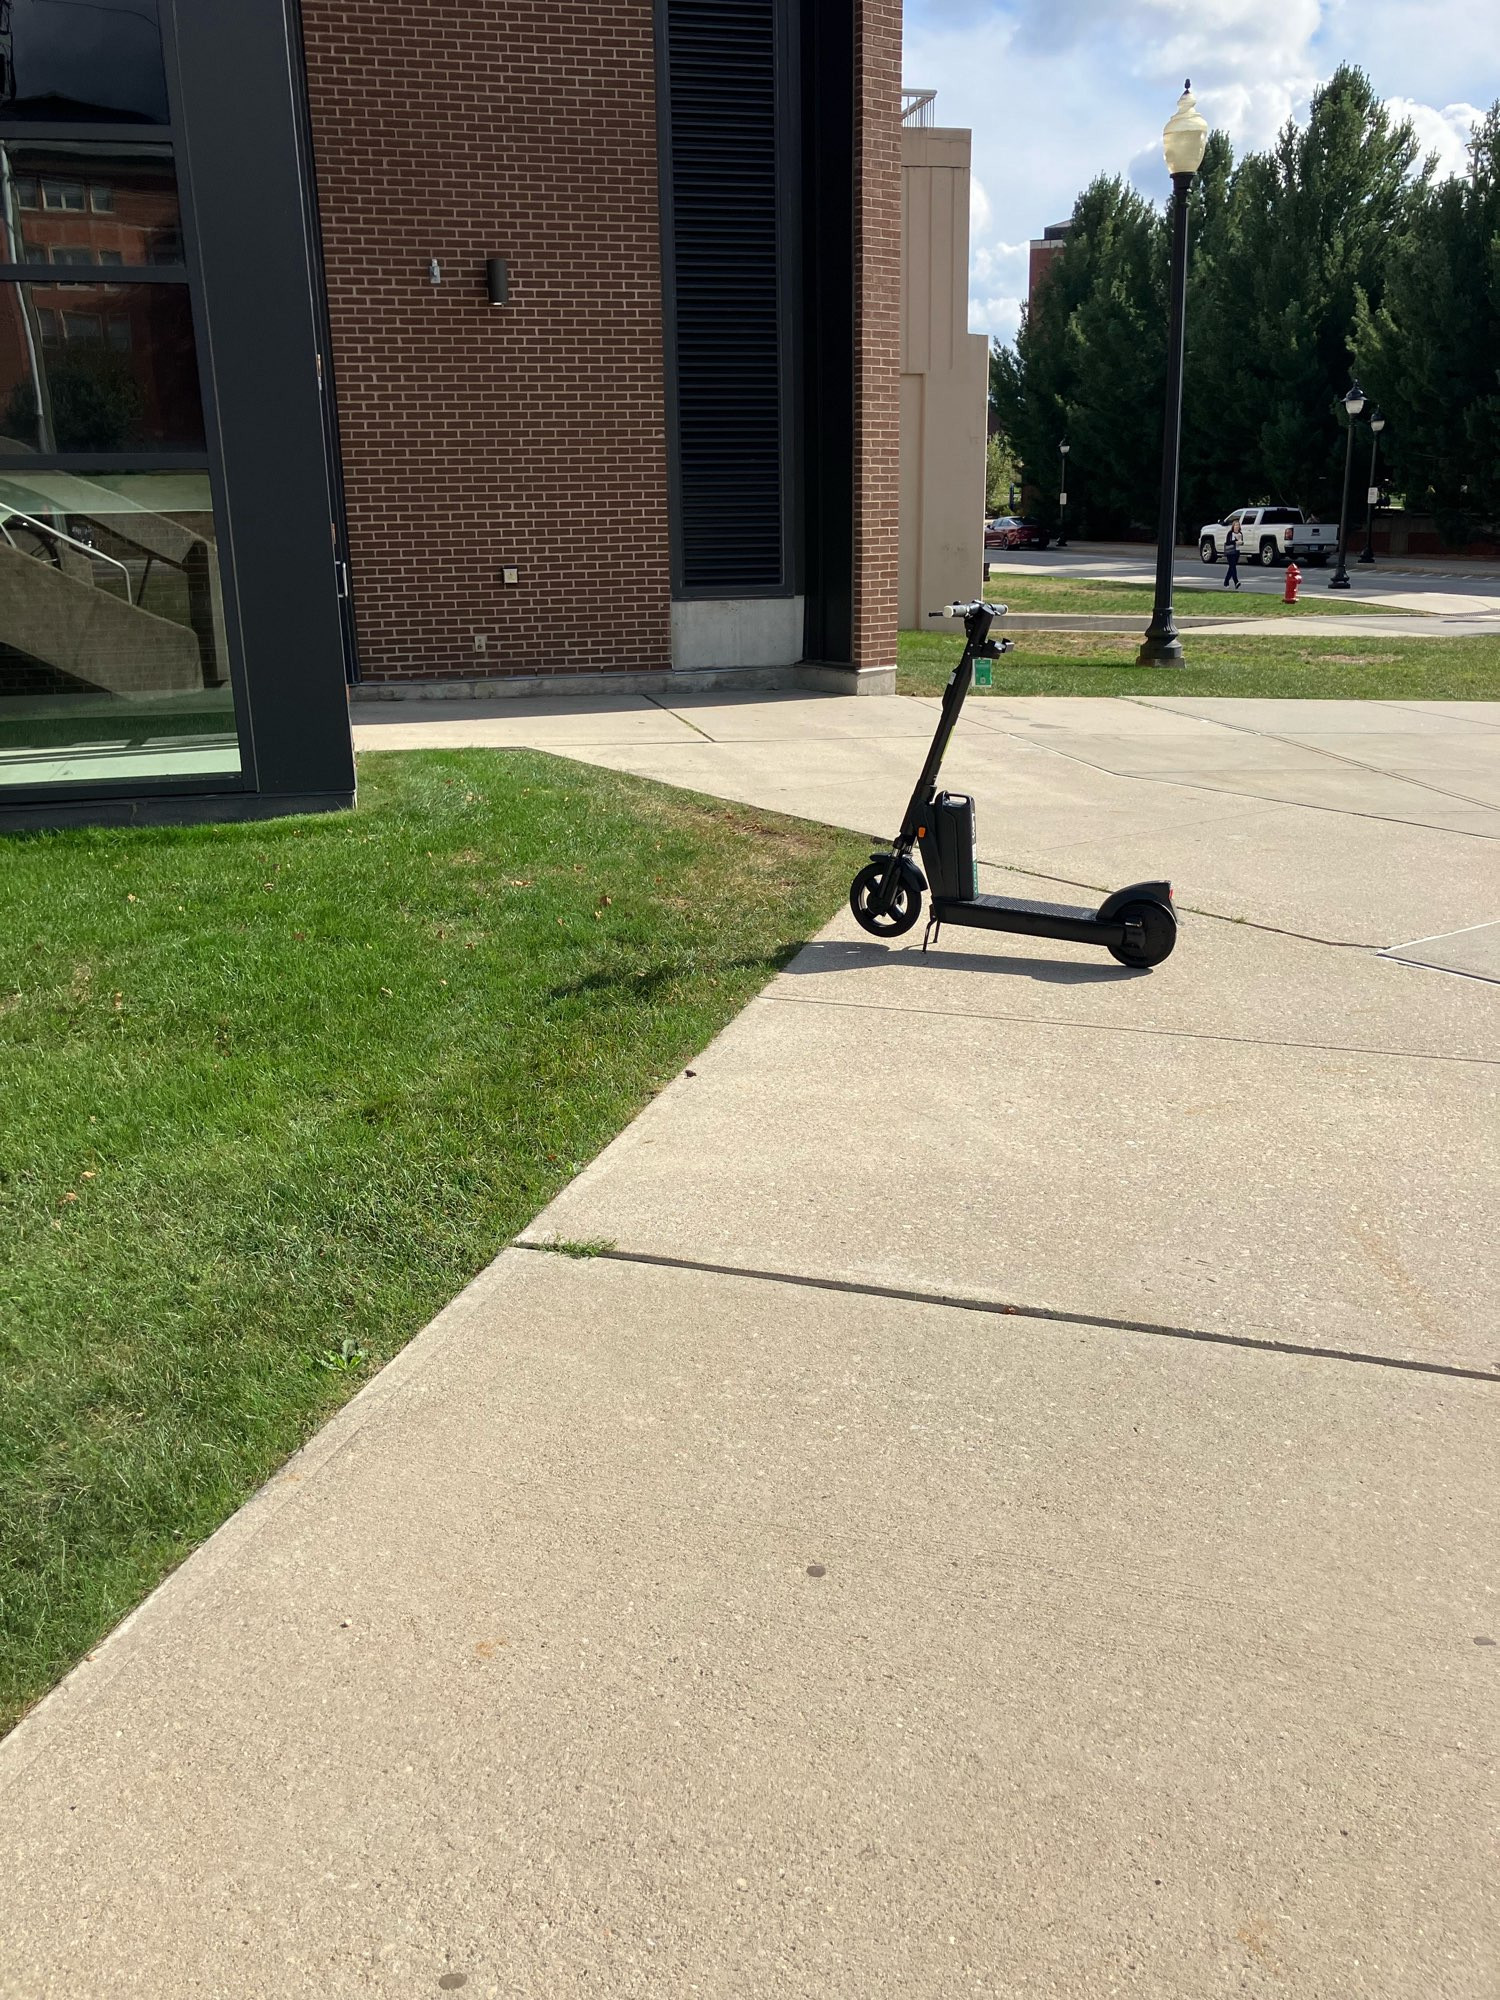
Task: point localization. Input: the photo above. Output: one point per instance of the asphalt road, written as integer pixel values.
(1438, 589)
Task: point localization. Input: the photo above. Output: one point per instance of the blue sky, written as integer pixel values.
(1056, 91)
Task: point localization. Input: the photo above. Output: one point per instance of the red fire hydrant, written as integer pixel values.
(1293, 578)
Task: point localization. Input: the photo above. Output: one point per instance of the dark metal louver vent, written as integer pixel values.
(725, 268)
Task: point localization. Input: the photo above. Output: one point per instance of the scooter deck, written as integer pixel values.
(1029, 919)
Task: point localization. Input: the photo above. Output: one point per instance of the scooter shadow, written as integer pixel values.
(826, 955)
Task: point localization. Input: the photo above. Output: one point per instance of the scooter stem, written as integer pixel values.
(978, 617)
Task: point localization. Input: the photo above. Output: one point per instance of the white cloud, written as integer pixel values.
(1057, 93)
(997, 285)
(999, 318)
(1446, 132)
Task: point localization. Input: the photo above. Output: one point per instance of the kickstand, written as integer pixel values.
(930, 933)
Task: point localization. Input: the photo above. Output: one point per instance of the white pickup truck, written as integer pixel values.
(1269, 535)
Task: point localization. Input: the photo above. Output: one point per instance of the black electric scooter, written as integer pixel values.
(1136, 925)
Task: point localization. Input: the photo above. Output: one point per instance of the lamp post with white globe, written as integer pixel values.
(1183, 142)
(1062, 491)
(1354, 402)
(1372, 491)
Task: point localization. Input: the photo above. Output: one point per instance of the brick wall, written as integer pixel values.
(1038, 263)
(877, 330)
(476, 437)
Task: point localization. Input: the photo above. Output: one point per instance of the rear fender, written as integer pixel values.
(1138, 892)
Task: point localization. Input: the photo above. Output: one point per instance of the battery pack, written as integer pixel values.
(947, 844)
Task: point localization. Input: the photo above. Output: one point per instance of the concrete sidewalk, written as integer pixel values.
(1357, 822)
(1012, 1513)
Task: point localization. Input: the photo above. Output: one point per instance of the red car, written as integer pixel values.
(1015, 531)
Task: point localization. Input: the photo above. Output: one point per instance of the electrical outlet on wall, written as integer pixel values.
(510, 576)
(481, 640)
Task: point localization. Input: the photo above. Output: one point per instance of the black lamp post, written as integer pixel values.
(1062, 490)
(1183, 143)
(1372, 491)
(1354, 402)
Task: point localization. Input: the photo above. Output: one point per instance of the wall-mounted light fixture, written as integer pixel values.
(435, 271)
(497, 280)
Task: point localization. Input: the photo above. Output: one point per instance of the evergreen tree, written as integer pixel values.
(1308, 230)
(1117, 356)
(1210, 470)
(1088, 363)
(1429, 349)
(1283, 248)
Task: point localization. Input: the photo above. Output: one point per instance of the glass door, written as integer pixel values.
(114, 663)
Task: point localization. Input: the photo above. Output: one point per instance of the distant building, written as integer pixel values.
(1043, 249)
(944, 374)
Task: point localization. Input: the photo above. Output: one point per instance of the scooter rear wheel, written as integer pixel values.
(1158, 934)
(906, 904)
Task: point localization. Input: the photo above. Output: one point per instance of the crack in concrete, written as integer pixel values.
(1052, 1315)
(1333, 756)
(1231, 792)
(1124, 1028)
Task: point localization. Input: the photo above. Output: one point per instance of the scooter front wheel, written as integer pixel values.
(906, 903)
(1155, 933)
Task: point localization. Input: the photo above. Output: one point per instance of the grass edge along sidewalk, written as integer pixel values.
(1270, 665)
(276, 1092)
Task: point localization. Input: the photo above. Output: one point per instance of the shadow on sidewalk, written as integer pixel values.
(830, 955)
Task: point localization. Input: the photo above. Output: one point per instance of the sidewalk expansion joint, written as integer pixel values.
(955, 1302)
(1182, 784)
(1130, 1028)
(1342, 757)
(1189, 909)
(1470, 721)
(678, 716)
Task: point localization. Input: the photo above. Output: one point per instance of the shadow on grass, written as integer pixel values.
(651, 979)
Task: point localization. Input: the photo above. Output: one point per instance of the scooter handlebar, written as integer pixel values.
(968, 610)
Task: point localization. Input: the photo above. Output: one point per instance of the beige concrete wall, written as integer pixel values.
(944, 379)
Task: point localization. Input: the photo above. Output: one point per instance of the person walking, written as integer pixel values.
(1232, 556)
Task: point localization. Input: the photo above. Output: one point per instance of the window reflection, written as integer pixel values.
(88, 204)
(71, 62)
(112, 653)
(98, 367)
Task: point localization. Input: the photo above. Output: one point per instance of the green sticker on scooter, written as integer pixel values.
(984, 675)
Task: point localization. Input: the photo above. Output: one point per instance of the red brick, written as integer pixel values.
(532, 435)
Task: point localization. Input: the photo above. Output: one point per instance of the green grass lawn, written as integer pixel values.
(1104, 663)
(274, 1093)
(1023, 590)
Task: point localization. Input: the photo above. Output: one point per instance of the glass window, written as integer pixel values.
(112, 655)
(72, 253)
(136, 392)
(71, 63)
(130, 209)
(112, 257)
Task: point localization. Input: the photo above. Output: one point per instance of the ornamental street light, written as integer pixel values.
(1354, 402)
(1183, 143)
(1372, 491)
(1062, 490)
